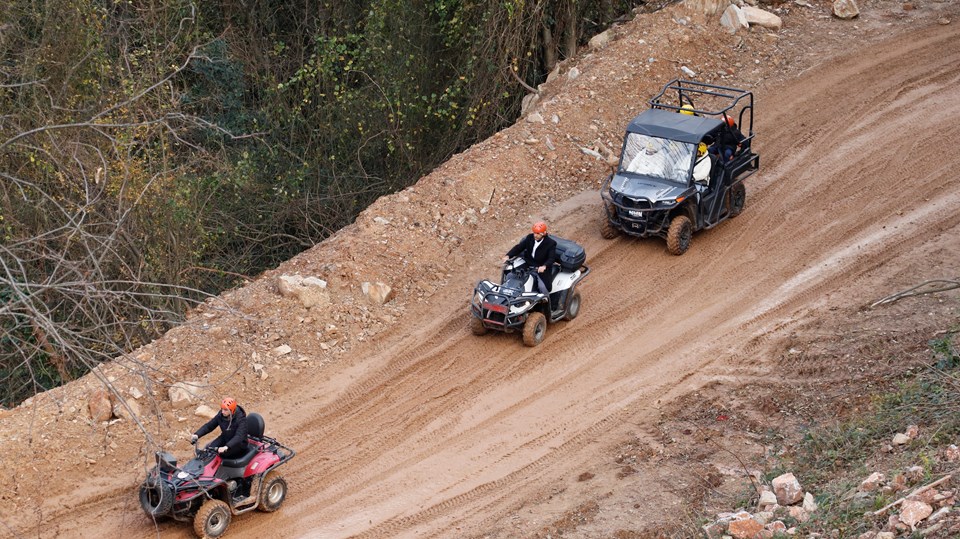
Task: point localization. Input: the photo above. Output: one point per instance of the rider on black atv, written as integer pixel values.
(538, 251)
(232, 420)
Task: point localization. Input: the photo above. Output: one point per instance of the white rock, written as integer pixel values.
(845, 9)
(761, 17)
(787, 489)
(733, 19)
(379, 293)
(281, 350)
(204, 411)
(913, 511)
(900, 439)
(809, 504)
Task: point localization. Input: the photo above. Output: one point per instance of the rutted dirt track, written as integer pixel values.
(428, 431)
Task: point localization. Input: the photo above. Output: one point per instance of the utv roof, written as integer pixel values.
(672, 125)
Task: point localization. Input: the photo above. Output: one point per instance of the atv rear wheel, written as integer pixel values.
(607, 230)
(212, 519)
(679, 235)
(573, 307)
(477, 327)
(534, 329)
(272, 492)
(156, 497)
(738, 199)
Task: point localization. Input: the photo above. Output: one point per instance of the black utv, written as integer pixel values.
(654, 191)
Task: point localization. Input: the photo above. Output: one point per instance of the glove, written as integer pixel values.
(193, 439)
(222, 450)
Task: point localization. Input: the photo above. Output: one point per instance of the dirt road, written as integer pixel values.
(428, 431)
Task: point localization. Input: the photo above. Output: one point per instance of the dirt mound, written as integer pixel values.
(406, 425)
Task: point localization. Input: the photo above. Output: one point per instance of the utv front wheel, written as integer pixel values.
(212, 519)
(738, 199)
(272, 492)
(534, 329)
(477, 327)
(679, 235)
(607, 230)
(573, 307)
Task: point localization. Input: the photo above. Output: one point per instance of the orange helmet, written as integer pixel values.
(228, 404)
(540, 228)
(728, 119)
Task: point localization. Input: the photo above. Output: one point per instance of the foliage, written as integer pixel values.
(151, 154)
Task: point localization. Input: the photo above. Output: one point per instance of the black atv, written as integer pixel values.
(516, 305)
(653, 192)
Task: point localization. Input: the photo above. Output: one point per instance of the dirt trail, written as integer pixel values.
(428, 431)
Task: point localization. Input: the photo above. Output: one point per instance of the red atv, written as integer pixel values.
(210, 490)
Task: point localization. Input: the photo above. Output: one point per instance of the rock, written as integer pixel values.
(535, 118)
(733, 19)
(310, 291)
(260, 371)
(129, 412)
(183, 394)
(900, 439)
(600, 40)
(746, 528)
(761, 17)
(886, 535)
(688, 72)
(951, 453)
(205, 412)
(100, 405)
(799, 513)
(872, 482)
(912, 432)
(787, 489)
(768, 501)
(845, 9)
(530, 101)
(809, 504)
(281, 350)
(379, 293)
(135, 392)
(913, 511)
(573, 74)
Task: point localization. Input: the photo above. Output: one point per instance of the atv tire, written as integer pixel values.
(607, 230)
(273, 491)
(156, 497)
(212, 519)
(534, 329)
(477, 327)
(738, 199)
(573, 307)
(679, 235)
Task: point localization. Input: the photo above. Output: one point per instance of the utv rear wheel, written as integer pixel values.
(607, 230)
(156, 498)
(272, 493)
(679, 235)
(477, 327)
(573, 307)
(212, 519)
(738, 199)
(534, 329)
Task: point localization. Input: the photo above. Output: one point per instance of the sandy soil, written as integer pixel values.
(624, 420)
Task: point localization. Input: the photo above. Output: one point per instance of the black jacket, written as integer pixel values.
(546, 254)
(233, 430)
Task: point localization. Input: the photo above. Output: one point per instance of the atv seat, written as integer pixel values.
(255, 431)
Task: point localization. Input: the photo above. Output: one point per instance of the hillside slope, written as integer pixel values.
(408, 426)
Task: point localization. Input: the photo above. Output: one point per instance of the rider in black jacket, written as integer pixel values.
(539, 251)
(232, 421)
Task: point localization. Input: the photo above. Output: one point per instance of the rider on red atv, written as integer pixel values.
(232, 421)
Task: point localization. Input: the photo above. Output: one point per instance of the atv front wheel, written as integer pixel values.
(573, 307)
(156, 497)
(272, 492)
(212, 519)
(534, 329)
(738, 199)
(607, 230)
(477, 327)
(679, 235)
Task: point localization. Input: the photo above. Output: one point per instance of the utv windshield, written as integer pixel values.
(657, 157)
